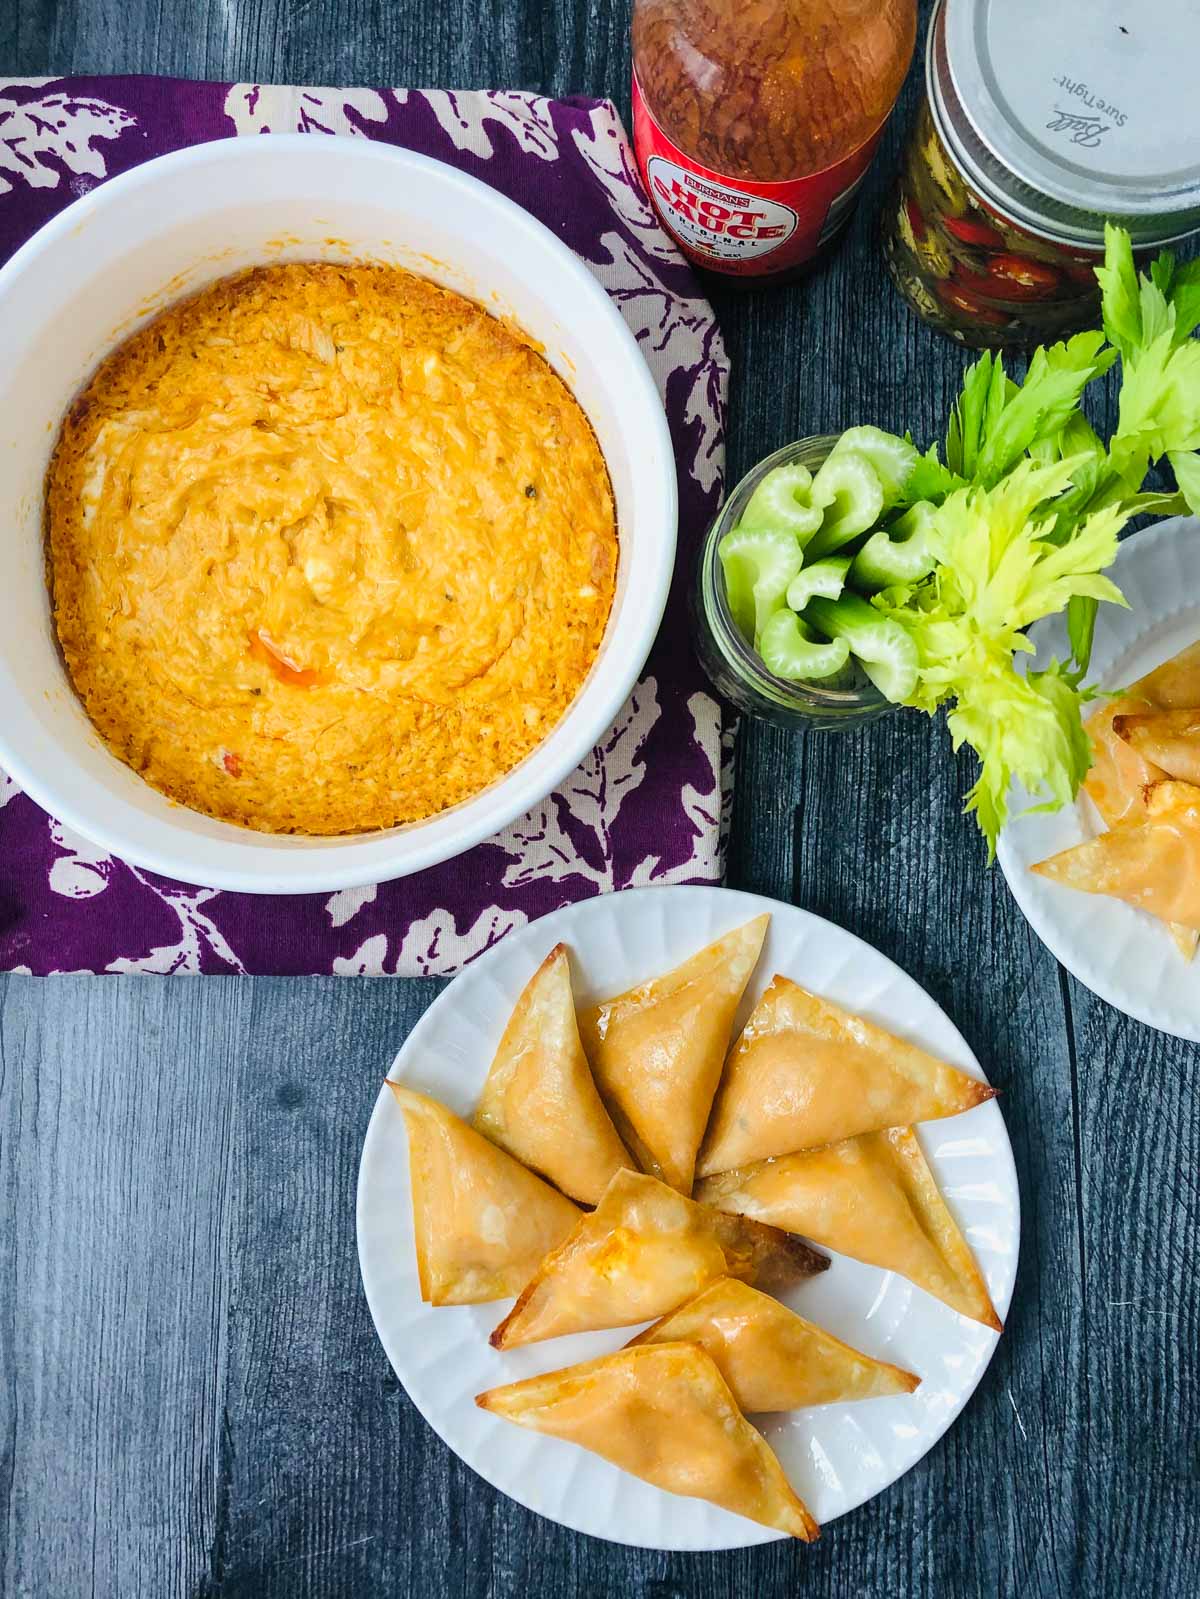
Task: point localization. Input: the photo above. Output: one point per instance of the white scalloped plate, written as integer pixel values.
(838, 1455)
(1123, 955)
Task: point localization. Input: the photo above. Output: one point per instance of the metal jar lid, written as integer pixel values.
(1062, 113)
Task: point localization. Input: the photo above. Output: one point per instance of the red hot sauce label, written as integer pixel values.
(736, 225)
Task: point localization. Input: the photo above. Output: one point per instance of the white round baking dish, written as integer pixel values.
(121, 253)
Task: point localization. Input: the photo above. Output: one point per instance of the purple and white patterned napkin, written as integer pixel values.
(646, 806)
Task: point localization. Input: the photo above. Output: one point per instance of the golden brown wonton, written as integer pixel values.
(1117, 780)
(663, 1413)
(1169, 740)
(805, 1072)
(1154, 866)
(643, 1251)
(871, 1197)
(771, 1358)
(657, 1051)
(539, 1101)
(1119, 773)
(481, 1221)
(1122, 770)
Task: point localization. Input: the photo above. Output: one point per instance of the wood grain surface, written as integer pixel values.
(192, 1398)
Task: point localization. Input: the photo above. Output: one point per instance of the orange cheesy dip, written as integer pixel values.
(330, 549)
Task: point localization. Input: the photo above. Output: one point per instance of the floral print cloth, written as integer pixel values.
(646, 806)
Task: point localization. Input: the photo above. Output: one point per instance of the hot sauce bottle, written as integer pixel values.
(755, 120)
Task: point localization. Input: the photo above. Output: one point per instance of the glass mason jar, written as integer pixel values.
(1039, 124)
(735, 671)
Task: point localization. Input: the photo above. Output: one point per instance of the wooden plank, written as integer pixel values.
(182, 1317)
(118, 1117)
(1137, 1130)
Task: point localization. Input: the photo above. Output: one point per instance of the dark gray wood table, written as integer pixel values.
(192, 1397)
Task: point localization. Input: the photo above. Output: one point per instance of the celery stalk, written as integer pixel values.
(848, 490)
(884, 648)
(789, 651)
(758, 563)
(901, 553)
(822, 579)
(782, 501)
(892, 459)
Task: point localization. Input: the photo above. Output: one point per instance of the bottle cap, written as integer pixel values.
(1063, 113)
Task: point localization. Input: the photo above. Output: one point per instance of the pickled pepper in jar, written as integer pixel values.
(1039, 124)
(971, 271)
(755, 120)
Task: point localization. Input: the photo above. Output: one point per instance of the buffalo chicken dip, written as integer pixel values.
(331, 549)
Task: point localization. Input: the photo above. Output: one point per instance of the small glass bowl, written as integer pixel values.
(732, 666)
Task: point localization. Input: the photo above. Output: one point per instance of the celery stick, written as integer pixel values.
(824, 579)
(759, 563)
(848, 490)
(790, 652)
(892, 459)
(781, 500)
(897, 554)
(885, 650)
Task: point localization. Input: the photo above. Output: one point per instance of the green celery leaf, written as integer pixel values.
(1150, 320)
(1186, 466)
(1082, 610)
(1000, 391)
(1162, 272)
(1179, 285)
(1155, 505)
(930, 480)
(1044, 404)
(1159, 406)
(1076, 567)
(1185, 299)
(1120, 297)
(1024, 726)
(1158, 316)
(998, 572)
(967, 416)
(1078, 440)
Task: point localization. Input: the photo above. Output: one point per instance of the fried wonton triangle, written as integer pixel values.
(657, 1051)
(643, 1251)
(1154, 866)
(1175, 685)
(871, 1197)
(805, 1072)
(539, 1101)
(664, 1413)
(771, 1358)
(1117, 785)
(1169, 740)
(1120, 772)
(481, 1221)
(1123, 770)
